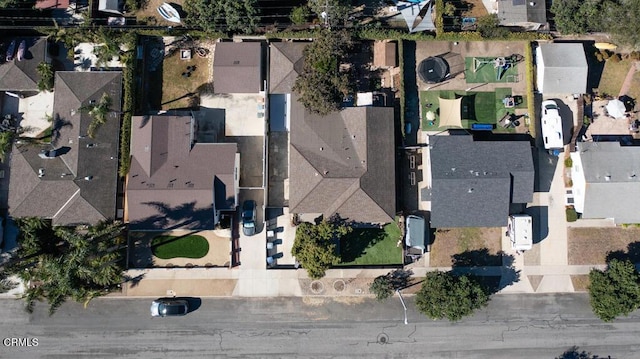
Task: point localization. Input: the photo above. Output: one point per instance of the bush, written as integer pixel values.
(605, 54)
(45, 70)
(615, 58)
(571, 214)
(568, 162)
(300, 15)
(599, 57)
(445, 295)
(381, 287)
(614, 291)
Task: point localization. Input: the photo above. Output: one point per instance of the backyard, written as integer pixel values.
(371, 246)
(592, 245)
(485, 242)
(180, 90)
(614, 75)
(477, 107)
(483, 70)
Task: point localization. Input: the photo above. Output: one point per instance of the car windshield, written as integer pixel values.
(249, 225)
(551, 107)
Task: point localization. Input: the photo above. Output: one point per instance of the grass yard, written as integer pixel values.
(613, 76)
(591, 245)
(486, 73)
(452, 241)
(179, 91)
(477, 107)
(190, 246)
(371, 246)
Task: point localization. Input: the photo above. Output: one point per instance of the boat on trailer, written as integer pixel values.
(169, 13)
(10, 50)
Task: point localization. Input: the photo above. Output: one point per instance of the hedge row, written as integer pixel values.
(530, 78)
(402, 94)
(128, 108)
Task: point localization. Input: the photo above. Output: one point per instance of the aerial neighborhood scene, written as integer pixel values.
(437, 162)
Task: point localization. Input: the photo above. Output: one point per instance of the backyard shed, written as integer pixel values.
(384, 54)
(561, 68)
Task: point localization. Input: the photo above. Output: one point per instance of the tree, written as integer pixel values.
(99, 113)
(614, 291)
(489, 27)
(336, 11)
(322, 85)
(620, 19)
(300, 15)
(578, 16)
(64, 262)
(45, 70)
(449, 9)
(384, 285)
(445, 295)
(223, 15)
(314, 246)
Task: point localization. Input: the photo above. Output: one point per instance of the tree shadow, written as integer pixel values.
(481, 265)
(575, 353)
(355, 244)
(632, 253)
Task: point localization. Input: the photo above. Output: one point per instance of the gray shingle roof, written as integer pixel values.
(286, 60)
(473, 182)
(23, 75)
(62, 193)
(237, 67)
(344, 163)
(172, 179)
(511, 12)
(612, 175)
(562, 67)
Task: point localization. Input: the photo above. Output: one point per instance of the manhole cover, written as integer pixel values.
(383, 338)
(339, 285)
(317, 286)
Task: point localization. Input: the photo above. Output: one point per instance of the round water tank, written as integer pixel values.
(433, 70)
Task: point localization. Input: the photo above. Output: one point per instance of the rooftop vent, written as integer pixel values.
(40, 172)
(607, 178)
(91, 145)
(470, 190)
(88, 178)
(321, 148)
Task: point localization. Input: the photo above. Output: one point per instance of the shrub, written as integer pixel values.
(381, 287)
(571, 214)
(599, 57)
(605, 54)
(615, 58)
(614, 291)
(568, 162)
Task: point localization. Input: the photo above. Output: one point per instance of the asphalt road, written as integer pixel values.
(513, 326)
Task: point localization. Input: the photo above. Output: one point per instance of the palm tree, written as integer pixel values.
(99, 112)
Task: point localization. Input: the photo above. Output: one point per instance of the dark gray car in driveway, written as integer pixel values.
(249, 217)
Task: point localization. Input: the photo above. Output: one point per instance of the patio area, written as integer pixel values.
(483, 108)
(141, 255)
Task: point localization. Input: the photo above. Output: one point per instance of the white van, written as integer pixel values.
(520, 231)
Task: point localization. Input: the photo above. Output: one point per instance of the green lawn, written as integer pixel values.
(477, 107)
(191, 246)
(487, 73)
(371, 246)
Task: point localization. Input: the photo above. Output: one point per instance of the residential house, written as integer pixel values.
(22, 76)
(73, 179)
(286, 63)
(343, 163)
(561, 68)
(238, 68)
(178, 179)
(527, 14)
(475, 182)
(606, 181)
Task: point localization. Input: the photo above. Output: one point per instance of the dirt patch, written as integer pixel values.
(333, 287)
(476, 9)
(580, 282)
(449, 242)
(184, 80)
(592, 245)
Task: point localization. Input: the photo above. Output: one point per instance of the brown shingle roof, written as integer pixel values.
(237, 67)
(286, 60)
(62, 193)
(344, 163)
(172, 178)
(384, 54)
